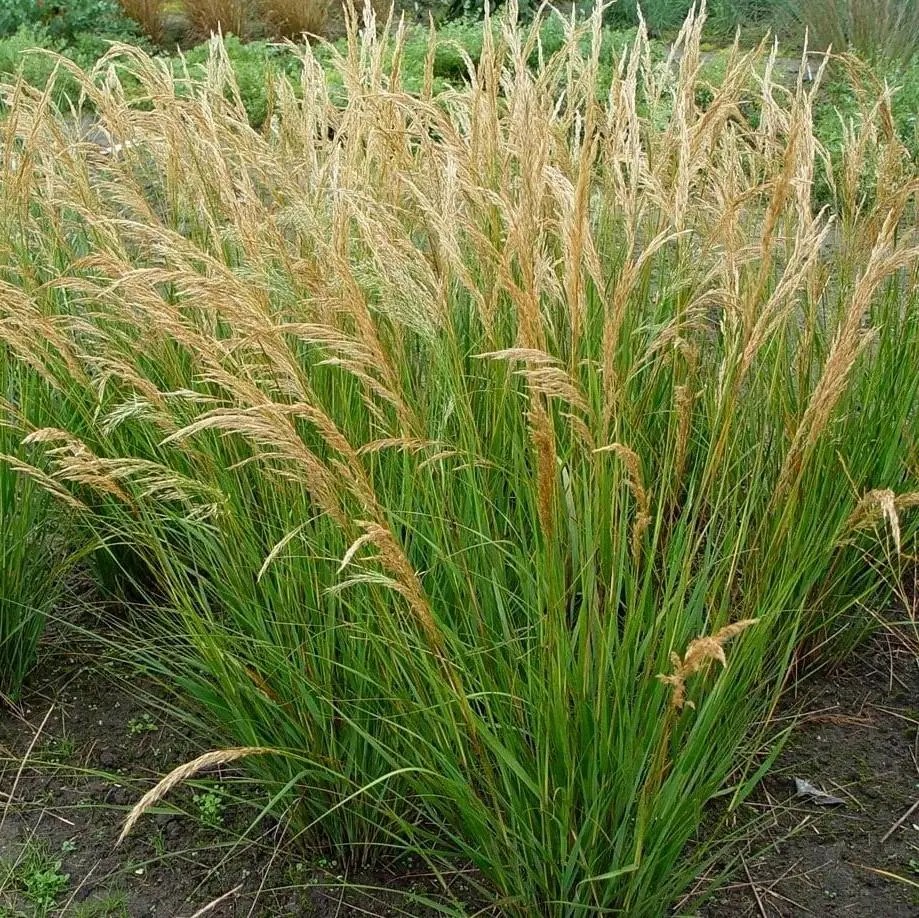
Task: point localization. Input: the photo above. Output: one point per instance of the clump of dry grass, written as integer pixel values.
(226, 17)
(148, 14)
(295, 18)
(278, 18)
(442, 434)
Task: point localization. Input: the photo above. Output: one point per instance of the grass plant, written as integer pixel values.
(31, 542)
(148, 14)
(225, 17)
(879, 30)
(493, 453)
(295, 18)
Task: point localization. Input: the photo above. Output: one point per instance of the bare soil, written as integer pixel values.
(857, 738)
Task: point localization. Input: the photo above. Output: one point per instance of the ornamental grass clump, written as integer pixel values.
(295, 19)
(879, 30)
(491, 454)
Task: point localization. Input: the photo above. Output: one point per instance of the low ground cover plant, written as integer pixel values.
(491, 453)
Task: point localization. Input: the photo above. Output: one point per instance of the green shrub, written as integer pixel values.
(661, 15)
(32, 53)
(81, 30)
(23, 54)
(66, 22)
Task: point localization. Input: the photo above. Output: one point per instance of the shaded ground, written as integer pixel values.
(858, 739)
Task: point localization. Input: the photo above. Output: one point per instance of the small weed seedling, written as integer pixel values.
(39, 877)
(210, 806)
(113, 905)
(158, 842)
(137, 726)
(59, 750)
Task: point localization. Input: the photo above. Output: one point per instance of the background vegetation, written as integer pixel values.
(884, 38)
